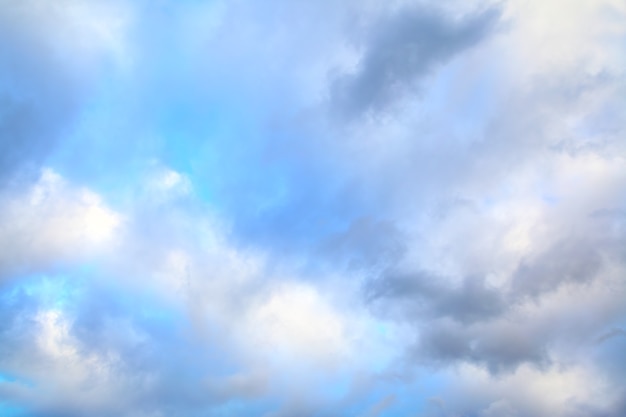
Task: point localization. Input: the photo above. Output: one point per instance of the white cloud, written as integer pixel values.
(53, 222)
(295, 321)
(496, 163)
(550, 37)
(527, 392)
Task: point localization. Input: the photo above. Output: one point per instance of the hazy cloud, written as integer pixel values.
(312, 208)
(401, 50)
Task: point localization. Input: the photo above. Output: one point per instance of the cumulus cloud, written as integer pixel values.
(312, 208)
(52, 223)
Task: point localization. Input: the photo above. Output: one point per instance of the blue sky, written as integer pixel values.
(312, 208)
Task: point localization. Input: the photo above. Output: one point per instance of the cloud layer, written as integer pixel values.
(312, 208)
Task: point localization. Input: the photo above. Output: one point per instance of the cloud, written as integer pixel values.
(566, 262)
(498, 347)
(401, 51)
(197, 236)
(52, 54)
(52, 223)
(295, 321)
(500, 326)
(424, 295)
(187, 287)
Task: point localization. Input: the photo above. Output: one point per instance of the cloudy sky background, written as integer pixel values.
(313, 208)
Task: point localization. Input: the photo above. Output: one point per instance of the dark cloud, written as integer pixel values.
(577, 259)
(456, 323)
(468, 320)
(423, 295)
(566, 262)
(499, 348)
(403, 49)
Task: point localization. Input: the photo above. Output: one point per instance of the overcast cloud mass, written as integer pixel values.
(313, 208)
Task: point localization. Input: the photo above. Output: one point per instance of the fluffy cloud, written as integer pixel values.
(52, 223)
(313, 208)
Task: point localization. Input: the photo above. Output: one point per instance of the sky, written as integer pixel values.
(294, 208)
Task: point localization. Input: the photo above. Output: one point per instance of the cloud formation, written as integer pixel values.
(312, 208)
(401, 50)
(52, 54)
